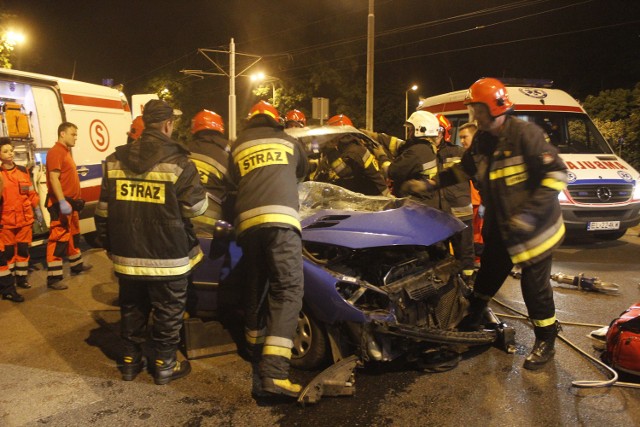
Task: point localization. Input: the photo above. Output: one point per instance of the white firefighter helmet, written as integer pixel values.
(424, 123)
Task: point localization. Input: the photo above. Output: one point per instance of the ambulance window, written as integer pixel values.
(583, 137)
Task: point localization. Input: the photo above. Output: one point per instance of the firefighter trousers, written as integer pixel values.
(165, 301)
(535, 283)
(273, 296)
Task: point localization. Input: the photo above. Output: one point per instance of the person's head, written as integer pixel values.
(422, 124)
(137, 126)
(264, 114)
(6, 151)
(444, 131)
(68, 134)
(157, 114)
(465, 133)
(488, 102)
(207, 120)
(339, 120)
(295, 119)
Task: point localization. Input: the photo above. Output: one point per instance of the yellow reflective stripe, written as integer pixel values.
(393, 145)
(203, 219)
(368, 160)
(386, 164)
(554, 184)
(272, 350)
(537, 250)
(507, 171)
(261, 147)
(149, 176)
(251, 339)
(205, 168)
(266, 219)
(158, 271)
(430, 173)
(544, 322)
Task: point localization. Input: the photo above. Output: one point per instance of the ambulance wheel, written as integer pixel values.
(309, 350)
(612, 235)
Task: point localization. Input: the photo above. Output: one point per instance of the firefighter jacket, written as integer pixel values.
(458, 196)
(416, 159)
(267, 165)
(149, 191)
(210, 153)
(19, 198)
(519, 174)
(355, 168)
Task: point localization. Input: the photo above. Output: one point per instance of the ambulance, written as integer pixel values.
(31, 108)
(603, 194)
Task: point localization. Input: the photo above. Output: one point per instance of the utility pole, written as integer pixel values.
(370, 45)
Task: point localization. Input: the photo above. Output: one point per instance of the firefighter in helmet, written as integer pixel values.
(520, 174)
(267, 165)
(210, 153)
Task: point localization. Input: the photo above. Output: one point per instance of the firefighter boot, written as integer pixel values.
(475, 315)
(12, 295)
(169, 368)
(280, 387)
(132, 364)
(543, 349)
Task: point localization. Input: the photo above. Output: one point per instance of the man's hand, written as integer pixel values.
(65, 207)
(37, 212)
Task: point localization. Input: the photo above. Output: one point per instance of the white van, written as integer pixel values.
(603, 195)
(33, 105)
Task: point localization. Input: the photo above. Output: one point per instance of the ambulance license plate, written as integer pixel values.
(603, 225)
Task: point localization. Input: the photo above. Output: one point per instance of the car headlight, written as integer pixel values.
(636, 190)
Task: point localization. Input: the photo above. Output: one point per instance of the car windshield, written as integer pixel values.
(315, 196)
(571, 133)
(315, 138)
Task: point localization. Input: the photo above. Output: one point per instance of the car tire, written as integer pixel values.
(310, 347)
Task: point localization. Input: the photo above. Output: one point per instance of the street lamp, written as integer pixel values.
(261, 77)
(406, 107)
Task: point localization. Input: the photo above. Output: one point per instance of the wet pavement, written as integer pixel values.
(58, 368)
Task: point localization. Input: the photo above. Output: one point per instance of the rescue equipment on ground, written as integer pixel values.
(623, 341)
(589, 284)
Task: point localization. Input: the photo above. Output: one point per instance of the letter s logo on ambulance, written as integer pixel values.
(99, 135)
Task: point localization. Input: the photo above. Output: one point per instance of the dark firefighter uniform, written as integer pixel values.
(520, 175)
(352, 166)
(210, 155)
(458, 197)
(416, 159)
(149, 191)
(267, 165)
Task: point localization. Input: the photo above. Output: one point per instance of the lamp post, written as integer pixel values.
(261, 77)
(406, 107)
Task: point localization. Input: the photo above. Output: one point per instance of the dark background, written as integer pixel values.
(584, 46)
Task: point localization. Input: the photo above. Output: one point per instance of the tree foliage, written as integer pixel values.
(615, 113)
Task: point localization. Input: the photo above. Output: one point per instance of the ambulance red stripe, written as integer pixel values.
(91, 101)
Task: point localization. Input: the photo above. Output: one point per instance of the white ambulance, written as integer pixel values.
(33, 105)
(603, 195)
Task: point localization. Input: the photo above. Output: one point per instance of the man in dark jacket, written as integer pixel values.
(267, 165)
(149, 191)
(520, 174)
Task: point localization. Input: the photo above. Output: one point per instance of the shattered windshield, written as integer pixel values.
(315, 196)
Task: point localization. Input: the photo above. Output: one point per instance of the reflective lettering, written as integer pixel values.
(140, 191)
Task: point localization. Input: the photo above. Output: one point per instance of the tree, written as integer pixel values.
(6, 44)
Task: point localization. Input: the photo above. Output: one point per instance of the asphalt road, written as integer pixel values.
(58, 351)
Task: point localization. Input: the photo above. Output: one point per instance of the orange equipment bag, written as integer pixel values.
(623, 341)
(17, 120)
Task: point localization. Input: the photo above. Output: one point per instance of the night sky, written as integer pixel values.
(583, 45)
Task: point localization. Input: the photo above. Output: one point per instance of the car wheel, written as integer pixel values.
(309, 343)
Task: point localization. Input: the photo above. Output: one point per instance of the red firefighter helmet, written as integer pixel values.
(445, 125)
(263, 107)
(207, 120)
(492, 93)
(340, 120)
(295, 118)
(137, 126)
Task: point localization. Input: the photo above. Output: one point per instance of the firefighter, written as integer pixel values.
(416, 158)
(210, 153)
(295, 119)
(137, 126)
(149, 191)
(346, 162)
(20, 209)
(458, 198)
(267, 165)
(520, 175)
(64, 205)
